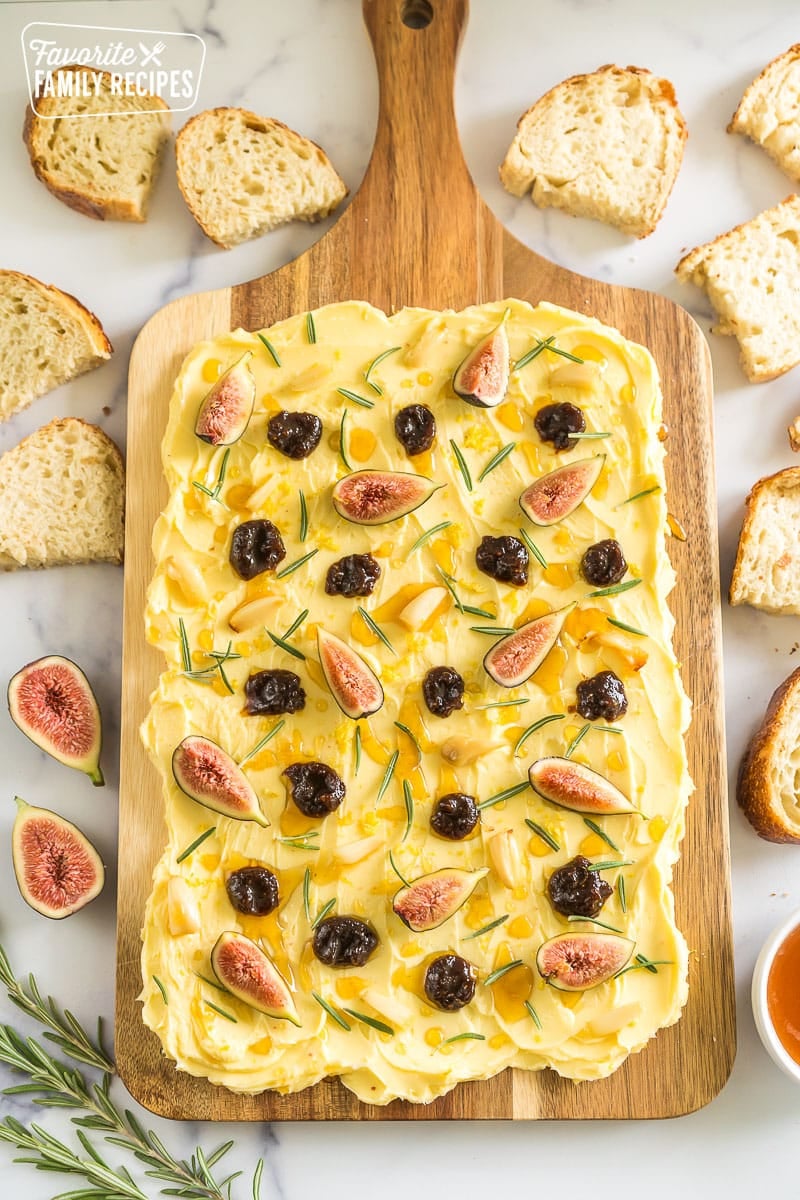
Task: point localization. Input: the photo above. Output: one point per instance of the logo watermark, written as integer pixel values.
(137, 62)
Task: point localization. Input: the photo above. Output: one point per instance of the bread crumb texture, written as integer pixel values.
(769, 112)
(242, 175)
(767, 569)
(62, 496)
(607, 145)
(48, 339)
(92, 153)
(768, 777)
(751, 276)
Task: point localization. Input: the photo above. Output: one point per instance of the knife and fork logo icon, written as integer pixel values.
(152, 55)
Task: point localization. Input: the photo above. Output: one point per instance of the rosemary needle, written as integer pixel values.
(375, 628)
(467, 1036)
(376, 387)
(303, 516)
(615, 590)
(311, 327)
(331, 1011)
(259, 746)
(628, 628)
(462, 465)
(541, 832)
(576, 741)
(623, 899)
(429, 533)
(486, 928)
(532, 1013)
(534, 727)
(501, 971)
(161, 988)
(396, 870)
(342, 442)
(408, 797)
(322, 914)
(270, 349)
(498, 458)
(373, 1023)
(505, 795)
(357, 748)
(293, 566)
(595, 828)
(354, 396)
(387, 778)
(306, 895)
(198, 841)
(534, 549)
(222, 1012)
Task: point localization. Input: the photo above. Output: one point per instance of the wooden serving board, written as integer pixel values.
(418, 233)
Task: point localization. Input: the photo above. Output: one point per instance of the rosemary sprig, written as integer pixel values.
(639, 495)
(223, 1012)
(467, 1036)
(532, 1013)
(496, 460)
(302, 841)
(576, 741)
(52, 1155)
(534, 549)
(505, 703)
(501, 971)
(186, 654)
(615, 590)
(294, 566)
(296, 623)
(212, 983)
(499, 797)
(534, 352)
(611, 865)
(642, 963)
(357, 749)
(627, 628)
(462, 465)
(493, 630)
(429, 533)
(273, 353)
(198, 841)
(408, 797)
(594, 921)
(218, 657)
(529, 732)
(387, 778)
(161, 988)
(306, 894)
(311, 328)
(376, 387)
(331, 1011)
(623, 899)
(449, 583)
(342, 442)
(410, 735)
(303, 516)
(354, 396)
(601, 833)
(486, 928)
(373, 1022)
(323, 912)
(396, 870)
(283, 640)
(259, 746)
(375, 628)
(213, 493)
(541, 832)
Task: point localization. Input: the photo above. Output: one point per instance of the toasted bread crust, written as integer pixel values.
(82, 314)
(789, 477)
(756, 792)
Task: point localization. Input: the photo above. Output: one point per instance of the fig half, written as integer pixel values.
(433, 899)
(555, 495)
(482, 377)
(244, 970)
(354, 685)
(377, 497)
(51, 701)
(575, 962)
(208, 775)
(227, 408)
(578, 788)
(514, 658)
(57, 868)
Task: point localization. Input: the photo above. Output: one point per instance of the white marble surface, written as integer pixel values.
(309, 63)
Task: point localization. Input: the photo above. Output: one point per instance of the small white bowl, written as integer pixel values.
(766, 1030)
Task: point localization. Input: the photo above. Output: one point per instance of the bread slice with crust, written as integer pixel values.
(607, 145)
(751, 275)
(767, 569)
(48, 339)
(98, 153)
(242, 175)
(62, 496)
(767, 789)
(769, 111)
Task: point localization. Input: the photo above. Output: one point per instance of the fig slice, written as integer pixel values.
(432, 899)
(377, 497)
(578, 788)
(354, 685)
(208, 775)
(227, 408)
(515, 657)
(482, 377)
(57, 868)
(575, 962)
(53, 704)
(244, 970)
(555, 495)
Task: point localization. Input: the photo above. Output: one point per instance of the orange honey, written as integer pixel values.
(783, 993)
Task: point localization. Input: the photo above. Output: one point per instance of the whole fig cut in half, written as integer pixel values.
(51, 701)
(377, 497)
(244, 970)
(575, 962)
(578, 788)
(433, 899)
(482, 377)
(58, 870)
(354, 685)
(554, 496)
(514, 658)
(226, 410)
(208, 775)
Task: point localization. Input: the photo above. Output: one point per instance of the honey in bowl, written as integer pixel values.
(783, 994)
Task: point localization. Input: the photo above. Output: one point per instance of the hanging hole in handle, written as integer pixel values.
(417, 14)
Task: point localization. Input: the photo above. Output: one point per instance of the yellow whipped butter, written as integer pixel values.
(520, 1020)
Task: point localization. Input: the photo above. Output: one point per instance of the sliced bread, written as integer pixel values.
(769, 112)
(767, 569)
(48, 338)
(752, 277)
(62, 495)
(241, 175)
(767, 790)
(92, 152)
(607, 145)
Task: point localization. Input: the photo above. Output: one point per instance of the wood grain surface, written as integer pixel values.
(418, 233)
